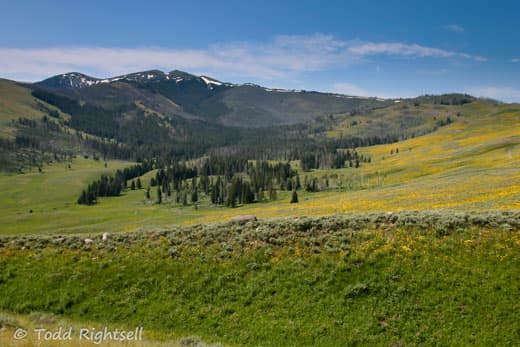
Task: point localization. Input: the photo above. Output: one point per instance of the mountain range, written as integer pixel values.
(180, 94)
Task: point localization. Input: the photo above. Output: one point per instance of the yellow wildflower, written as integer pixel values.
(406, 249)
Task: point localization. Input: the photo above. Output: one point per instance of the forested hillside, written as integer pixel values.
(179, 116)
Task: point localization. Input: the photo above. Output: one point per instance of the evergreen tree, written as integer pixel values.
(139, 184)
(132, 186)
(148, 193)
(165, 186)
(213, 196)
(289, 184)
(159, 195)
(231, 200)
(194, 196)
(91, 196)
(294, 198)
(83, 198)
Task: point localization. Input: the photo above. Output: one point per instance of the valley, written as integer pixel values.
(405, 229)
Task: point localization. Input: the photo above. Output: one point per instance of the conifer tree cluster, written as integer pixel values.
(225, 180)
(112, 185)
(327, 160)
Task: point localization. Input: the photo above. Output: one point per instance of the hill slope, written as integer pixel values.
(404, 279)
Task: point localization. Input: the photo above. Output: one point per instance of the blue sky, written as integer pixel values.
(376, 48)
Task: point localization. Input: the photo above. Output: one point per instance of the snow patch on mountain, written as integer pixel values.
(209, 81)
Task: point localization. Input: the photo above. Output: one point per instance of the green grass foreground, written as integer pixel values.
(406, 278)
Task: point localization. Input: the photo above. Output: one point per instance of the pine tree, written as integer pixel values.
(132, 186)
(139, 184)
(231, 200)
(294, 198)
(194, 196)
(91, 196)
(83, 198)
(159, 195)
(165, 186)
(298, 184)
(213, 197)
(148, 192)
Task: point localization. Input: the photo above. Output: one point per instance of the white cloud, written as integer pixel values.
(515, 60)
(499, 93)
(279, 58)
(396, 48)
(454, 27)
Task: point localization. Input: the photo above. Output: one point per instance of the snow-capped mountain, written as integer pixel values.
(204, 98)
(76, 80)
(69, 80)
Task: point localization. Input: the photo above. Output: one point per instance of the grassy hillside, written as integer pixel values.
(401, 279)
(15, 102)
(408, 117)
(42, 201)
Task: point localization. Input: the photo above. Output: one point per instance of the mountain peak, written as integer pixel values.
(69, 80)
(179, 73)
(143, 76)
